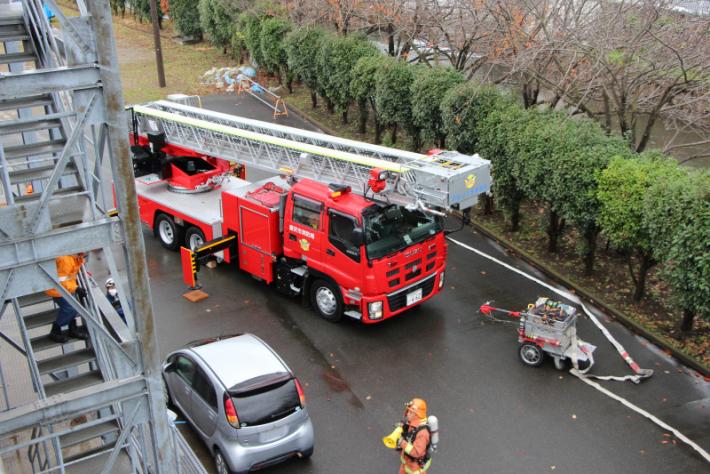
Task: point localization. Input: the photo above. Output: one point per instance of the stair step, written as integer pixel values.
(33, 149)
(29, 126)
(38, 173)
(96, 463)
(42, 343)
(64, 361)
(86, 434)
(26, 102)
(40, 319)
(13, 33)
(33, 299)
(73, 383)
(57, 194)
(17, 58)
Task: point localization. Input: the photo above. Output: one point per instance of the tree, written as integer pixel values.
(323, 55)
(302, 45)
(532, 168)
(577, 173)
(272, 36)
(186, 18)
(677, 214)
(393, 83)
(338, 58)
(491, 139)
(249, 23)
(622, 189)
(362, 87)
(428, 91)
(216, 23)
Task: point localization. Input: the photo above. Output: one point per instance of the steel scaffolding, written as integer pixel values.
(98, 404)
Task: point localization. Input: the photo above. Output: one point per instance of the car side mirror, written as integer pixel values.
(358, 237)
(170, 367)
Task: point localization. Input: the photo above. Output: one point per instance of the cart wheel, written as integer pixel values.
(560, 363)
(531, 354)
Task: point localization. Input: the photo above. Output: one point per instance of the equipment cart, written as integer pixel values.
(548, 327)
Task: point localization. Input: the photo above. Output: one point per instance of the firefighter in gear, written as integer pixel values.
(65, 326)
(415, 439)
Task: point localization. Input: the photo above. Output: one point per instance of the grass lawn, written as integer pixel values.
(184, 64)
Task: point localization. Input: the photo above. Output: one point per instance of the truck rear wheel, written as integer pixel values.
(194, 238)
(169, 233)
(326, 300)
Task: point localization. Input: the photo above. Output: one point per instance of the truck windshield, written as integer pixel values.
(389, 229)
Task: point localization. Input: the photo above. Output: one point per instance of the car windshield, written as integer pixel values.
(389, 229)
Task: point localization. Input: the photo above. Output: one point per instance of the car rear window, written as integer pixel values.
(271, 400)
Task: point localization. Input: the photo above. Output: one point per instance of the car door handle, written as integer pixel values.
(330, 252)
(291, 237)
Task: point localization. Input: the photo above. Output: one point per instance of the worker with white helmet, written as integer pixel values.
(112, 296)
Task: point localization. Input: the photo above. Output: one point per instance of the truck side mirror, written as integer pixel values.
(358, 237)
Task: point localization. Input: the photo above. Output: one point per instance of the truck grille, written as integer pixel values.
(398, 300)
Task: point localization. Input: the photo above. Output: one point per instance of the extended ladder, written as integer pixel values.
(443, 180)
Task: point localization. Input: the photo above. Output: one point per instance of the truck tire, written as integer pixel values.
(326, 300)
(531, 354)
(169, 233)
(194, 238)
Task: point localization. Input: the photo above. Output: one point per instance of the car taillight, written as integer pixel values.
(230, 411)
(301, 395)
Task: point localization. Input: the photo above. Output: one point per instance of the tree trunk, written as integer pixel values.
(487, 204)
(393, 134)
(362, 124)
(378, 131)
(344, 116)
(442, 141)
(686, 324)
(314, 99)
(416, 139)
(329, 106)
(640, 281)
(554, 229)
(607, 115)
(515, 218)
(590, 237)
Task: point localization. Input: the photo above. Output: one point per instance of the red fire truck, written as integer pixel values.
(369, 255)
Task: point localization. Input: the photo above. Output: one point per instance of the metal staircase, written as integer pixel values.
(97, 404)
(443, 180)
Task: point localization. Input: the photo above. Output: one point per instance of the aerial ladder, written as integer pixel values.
(438, 182)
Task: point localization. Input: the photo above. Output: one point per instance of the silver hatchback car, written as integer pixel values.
(243, 401)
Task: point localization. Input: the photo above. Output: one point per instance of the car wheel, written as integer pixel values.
(169, 233)
(220, 463)
(194, 238)
(325, 298)
(531, 354)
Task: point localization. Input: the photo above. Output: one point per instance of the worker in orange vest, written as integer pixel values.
(64, 327)
(415, 439)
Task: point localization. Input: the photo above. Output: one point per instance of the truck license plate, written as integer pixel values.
(414, 296)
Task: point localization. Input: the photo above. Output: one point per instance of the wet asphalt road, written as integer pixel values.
(496, 415)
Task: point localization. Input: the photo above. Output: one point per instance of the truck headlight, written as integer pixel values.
(374, 310)
(441, 280)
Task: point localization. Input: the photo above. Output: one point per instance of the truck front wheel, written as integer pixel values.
(169, 233)
(325, 298)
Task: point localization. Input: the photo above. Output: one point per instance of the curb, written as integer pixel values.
(306, 118)
(592, 298)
